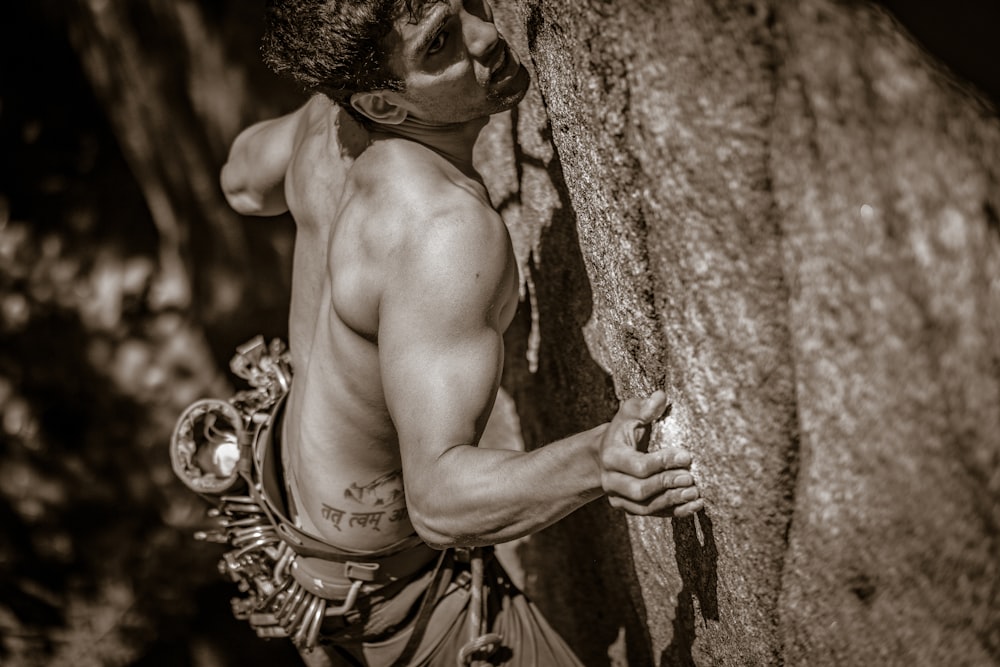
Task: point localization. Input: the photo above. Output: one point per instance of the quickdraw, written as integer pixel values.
(481, 645)
(283, 596)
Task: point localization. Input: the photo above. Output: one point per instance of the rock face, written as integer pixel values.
(785, 215)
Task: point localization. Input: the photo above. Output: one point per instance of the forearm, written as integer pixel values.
(253, 178)
(475, 496)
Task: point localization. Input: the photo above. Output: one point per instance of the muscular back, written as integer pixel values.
(404, 282)
(359, 225)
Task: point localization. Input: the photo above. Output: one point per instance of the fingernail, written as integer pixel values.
(682, 458)
(690, 494)
(684, 480)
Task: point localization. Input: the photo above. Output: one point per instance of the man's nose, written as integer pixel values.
(480, 35)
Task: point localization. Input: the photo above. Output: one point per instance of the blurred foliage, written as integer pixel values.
(97, 566)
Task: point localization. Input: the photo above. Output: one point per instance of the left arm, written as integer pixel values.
(253, 178)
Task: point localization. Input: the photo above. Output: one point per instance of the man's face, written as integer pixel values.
(454, 64)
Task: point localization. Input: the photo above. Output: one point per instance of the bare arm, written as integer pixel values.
(253, 178)
(441, 350)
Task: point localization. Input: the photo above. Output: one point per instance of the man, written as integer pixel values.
(404, 281)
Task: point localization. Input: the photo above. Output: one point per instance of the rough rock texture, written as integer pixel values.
(888, 188)
(785, 215)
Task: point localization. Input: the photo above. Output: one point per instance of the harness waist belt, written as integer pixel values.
(397, 561)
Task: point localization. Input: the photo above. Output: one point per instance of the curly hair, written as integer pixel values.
(336, 47)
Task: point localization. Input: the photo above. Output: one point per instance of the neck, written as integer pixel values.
(453, 141)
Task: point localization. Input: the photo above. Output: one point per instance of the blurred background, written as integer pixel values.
(125, 283)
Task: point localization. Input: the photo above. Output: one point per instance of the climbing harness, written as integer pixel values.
(287, 588)
(279, 598)
(289, 581)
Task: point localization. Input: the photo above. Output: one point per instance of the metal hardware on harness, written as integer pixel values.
(275, 602)
(206, 446)
(211, 443)
(481, 645)
(268, 369)
(211, 452)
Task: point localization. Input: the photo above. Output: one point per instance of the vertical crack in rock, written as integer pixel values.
(775, 45)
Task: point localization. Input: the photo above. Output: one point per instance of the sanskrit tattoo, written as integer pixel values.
(385, 490)
(333, 515)
(366, 519)
(370, 520)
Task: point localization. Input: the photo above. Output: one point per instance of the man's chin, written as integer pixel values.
(512, 91)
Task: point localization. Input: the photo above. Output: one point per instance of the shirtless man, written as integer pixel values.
(404, 281)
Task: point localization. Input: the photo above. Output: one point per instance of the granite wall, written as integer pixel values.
(785, 215)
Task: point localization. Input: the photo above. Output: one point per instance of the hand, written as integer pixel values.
(656, 483)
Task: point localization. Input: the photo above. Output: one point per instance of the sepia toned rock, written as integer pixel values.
(785, 215)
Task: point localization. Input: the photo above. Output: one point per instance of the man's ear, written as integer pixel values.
(378, 106)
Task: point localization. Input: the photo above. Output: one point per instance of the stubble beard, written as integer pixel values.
(503, 100)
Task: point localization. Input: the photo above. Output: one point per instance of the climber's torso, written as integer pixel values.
(357, 222)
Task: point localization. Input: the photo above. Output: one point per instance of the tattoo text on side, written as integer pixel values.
(368, 520)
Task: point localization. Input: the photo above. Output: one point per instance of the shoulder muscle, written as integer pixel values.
(457, 258)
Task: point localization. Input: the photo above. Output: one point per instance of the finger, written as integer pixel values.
(676, 479)
(679, 511)
(645, 409)
(640, 464)
(689, 509)
(631, 462)
(636, 414)
(653, 407)
(664, 504)
(632, 489)
(639, 489)
(674, 457)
